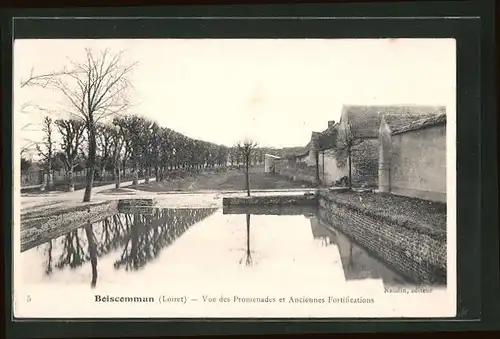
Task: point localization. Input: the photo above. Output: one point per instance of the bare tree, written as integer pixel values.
(48, 150)
(29, 108)
(94, 89)
(71, 131)
(346, 143)
(45, 79)
(245, 147)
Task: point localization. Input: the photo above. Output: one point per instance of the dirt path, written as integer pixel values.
(56, 199)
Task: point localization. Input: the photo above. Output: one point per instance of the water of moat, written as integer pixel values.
(204, 245)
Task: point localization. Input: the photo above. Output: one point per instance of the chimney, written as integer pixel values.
(331, 123)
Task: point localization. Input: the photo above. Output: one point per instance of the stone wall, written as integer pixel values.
(296, 170)
(417, 254)
(364, 166)
(308, 199)
(42, 225)
(418, 163)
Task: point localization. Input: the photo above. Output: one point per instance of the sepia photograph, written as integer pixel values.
(234, 178)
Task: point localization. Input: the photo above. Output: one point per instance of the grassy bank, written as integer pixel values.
(233, 179)
(427, 217)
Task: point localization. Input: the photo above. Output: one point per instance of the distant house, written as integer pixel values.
(359, 131)
(269, 163)
(412, 156)
(330, 170)
(303, 159)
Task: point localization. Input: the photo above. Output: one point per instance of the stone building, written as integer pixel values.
(412, 159)
(269, 163)
(358, 134)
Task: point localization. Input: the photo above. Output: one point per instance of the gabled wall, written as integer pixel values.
(418, 163)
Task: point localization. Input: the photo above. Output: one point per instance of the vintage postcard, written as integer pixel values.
(234, 178)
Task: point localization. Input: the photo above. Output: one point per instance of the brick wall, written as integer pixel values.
(418, 163)
(418, 256)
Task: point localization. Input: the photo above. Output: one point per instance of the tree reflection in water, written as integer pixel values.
(248, 254)
(91, 240)
(48, 252)
(73, 252)
(141, 236)
(151, 233)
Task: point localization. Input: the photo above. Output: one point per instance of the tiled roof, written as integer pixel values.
(398, 121)
(328, 138)
(422, 123)
(365, 120)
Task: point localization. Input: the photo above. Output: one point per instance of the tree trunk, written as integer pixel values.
(317, 167)
(247, 180)
(91, 162)
(50, 180)
(162, 170)
(117, 175)
(147, 174)
(135, 173)
(43, 187)
(101, 173)
(324, 179)
(350, 168)
(71, 181)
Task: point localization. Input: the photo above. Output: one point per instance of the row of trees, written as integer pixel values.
(98, 132)
(133, 142)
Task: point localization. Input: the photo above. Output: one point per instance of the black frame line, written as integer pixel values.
(476, 202)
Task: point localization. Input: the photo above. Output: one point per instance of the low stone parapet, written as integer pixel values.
(307, 199)
(41, 226)
(417, 251)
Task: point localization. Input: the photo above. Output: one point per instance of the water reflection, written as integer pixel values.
(151, 233)
(48, 252)
(92, 252)
(296, 249)
(248, 254)
(357, 263)
(142, 237)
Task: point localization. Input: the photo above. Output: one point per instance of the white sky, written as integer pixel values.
(274, 91)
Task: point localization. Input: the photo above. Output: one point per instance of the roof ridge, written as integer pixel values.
(424, 122)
